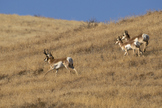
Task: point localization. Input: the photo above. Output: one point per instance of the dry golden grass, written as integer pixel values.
(107, 79)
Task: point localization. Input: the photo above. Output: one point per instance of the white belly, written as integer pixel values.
(128, 47)
(58, 65)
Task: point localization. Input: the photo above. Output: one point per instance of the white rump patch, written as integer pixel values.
(145, 37)
(70, 60)
(137, 43)
(128, 47)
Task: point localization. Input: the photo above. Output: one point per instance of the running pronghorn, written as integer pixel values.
(142, 39)
(131, 45)
(58, 63)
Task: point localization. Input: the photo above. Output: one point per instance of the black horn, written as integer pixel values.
(45, 52)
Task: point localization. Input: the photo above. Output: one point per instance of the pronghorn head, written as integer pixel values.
(118, 40)
(48, 55)
(125, 35)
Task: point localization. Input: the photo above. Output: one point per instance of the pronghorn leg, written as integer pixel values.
(140, 51)
(71, 66)
(146, 43)
(133, 51)
(126, 52)
(56, 72)
(47, 72)
(67, 68)
(75, 71)
(144, 49)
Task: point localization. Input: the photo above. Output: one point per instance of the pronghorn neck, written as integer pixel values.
(50, 60)
(120, 43)
(127, 39)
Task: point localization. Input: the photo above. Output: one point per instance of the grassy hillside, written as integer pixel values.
(106, 79)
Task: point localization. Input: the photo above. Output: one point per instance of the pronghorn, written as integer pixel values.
(135, 45)
(142, 39)
(58, 63)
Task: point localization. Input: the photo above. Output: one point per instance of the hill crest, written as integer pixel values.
(106, 77)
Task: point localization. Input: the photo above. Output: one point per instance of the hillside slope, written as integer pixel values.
(106, 77)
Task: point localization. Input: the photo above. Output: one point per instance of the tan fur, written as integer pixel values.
(123, 46)
(58, 63)
(52, 61)
(139, 38)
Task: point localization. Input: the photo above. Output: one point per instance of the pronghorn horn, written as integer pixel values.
(45, 52)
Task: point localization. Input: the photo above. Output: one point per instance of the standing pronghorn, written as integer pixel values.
(58, 63)
(142, 39)
(135, 45)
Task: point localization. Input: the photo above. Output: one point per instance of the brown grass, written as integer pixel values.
(107, 79)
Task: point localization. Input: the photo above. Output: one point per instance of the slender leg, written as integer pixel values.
(47, 72)
(56, 72)
(125, 52)
(144, 49)
(138, 52)
(133, 51)
(75, 71)
(67, 68)
(146, 43)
